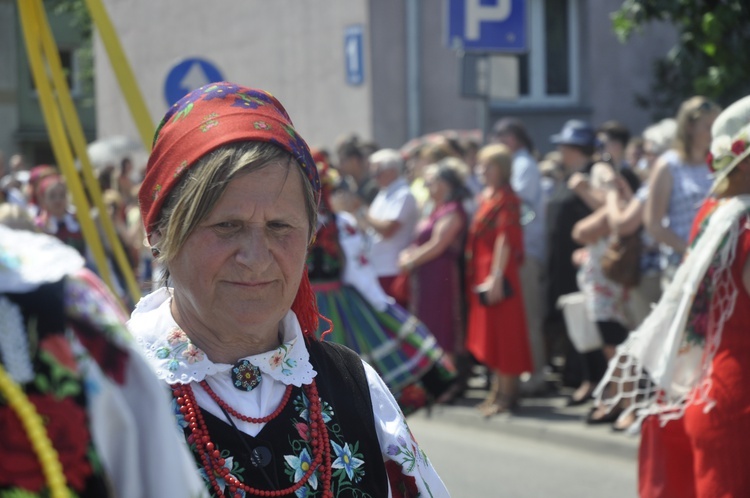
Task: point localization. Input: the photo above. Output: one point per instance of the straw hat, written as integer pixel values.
(730, 142)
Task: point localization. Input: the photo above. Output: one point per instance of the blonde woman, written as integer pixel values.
(497, 334)
(680, 182)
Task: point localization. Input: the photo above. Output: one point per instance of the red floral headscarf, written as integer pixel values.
(207, 118)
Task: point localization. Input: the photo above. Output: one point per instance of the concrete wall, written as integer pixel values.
(388, 71)
(293, 49)
(8, 78)
(618, 71)
(442, 106)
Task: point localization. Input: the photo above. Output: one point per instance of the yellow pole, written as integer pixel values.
(60, 144)
(123, 72)
(75, 132)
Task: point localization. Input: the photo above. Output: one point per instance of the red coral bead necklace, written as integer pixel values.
(211, 458)
(238, 415)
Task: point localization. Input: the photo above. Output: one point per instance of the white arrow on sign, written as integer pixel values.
(195, 77)
(476, 13)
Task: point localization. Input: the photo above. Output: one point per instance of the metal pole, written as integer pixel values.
(413, 73)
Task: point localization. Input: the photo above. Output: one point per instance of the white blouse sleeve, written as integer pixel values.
(401, 452)
(358, 272)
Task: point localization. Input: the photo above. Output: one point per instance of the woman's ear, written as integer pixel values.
(153, 241)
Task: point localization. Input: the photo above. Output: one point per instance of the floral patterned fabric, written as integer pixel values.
(94, 393)
(63, 342)
(358, 456)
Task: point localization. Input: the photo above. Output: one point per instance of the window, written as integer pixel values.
(549, 73)
(69, 59)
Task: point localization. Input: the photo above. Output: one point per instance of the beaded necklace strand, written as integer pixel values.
(35, 431)
(238, 415)
(213, 463)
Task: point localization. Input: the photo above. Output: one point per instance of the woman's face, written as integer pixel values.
(437, 188)
(701, 133)
(55, 199)
(239, 270)
(489, 174)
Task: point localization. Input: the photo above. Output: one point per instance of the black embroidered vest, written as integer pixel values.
(280, 454)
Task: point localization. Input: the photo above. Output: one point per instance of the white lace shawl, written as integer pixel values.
(658, 370)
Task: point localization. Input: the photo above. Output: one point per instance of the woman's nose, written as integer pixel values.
(254, 251)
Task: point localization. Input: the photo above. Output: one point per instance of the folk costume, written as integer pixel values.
(80, 411)
(400, 348)
(683, 371)
(308, 418)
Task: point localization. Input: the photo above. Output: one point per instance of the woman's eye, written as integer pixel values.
(227, 226)
(278, 225)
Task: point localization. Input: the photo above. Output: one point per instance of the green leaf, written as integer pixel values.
(42, 384)
(68, 389)
(17, 493)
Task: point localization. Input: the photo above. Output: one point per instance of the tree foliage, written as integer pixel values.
(710, 57)
(76, 12)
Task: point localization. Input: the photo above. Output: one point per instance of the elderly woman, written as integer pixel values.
(229, 202)
(694, 346)
(496, 332)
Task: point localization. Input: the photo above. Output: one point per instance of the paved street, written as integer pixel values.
(543, 451)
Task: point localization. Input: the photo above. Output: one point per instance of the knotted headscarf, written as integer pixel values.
(207, 118)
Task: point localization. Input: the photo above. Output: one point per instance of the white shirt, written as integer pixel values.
(395, 202)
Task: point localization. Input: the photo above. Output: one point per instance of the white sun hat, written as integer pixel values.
(730, 142)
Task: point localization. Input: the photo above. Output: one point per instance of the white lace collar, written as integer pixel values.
(175, 359)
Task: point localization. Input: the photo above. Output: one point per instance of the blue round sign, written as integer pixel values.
(187, 76)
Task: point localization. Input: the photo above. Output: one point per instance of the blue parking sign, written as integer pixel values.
(487, 25)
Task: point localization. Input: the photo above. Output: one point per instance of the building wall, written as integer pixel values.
(618, 71)
(388, 71)
(293, 49)
(611, 74)
(22, 126)
(8, 78)
(442, 106)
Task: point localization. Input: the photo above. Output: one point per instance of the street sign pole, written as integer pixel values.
(487, 37)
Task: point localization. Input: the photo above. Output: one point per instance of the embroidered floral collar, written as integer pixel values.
(175, 359)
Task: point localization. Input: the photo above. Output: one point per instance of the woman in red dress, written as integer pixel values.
(694, 346)
(496, 332)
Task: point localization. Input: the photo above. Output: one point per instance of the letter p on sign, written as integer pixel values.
(476, 13)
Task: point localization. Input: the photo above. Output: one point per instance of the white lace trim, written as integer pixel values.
(175, 359)
(14, 346)
(29, 259)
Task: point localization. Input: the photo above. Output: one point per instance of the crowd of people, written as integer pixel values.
(427, 261)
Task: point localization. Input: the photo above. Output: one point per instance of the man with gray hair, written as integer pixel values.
(391, 218)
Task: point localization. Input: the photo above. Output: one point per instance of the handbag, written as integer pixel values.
(621, 261)
(583, 333)
(400, 288)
